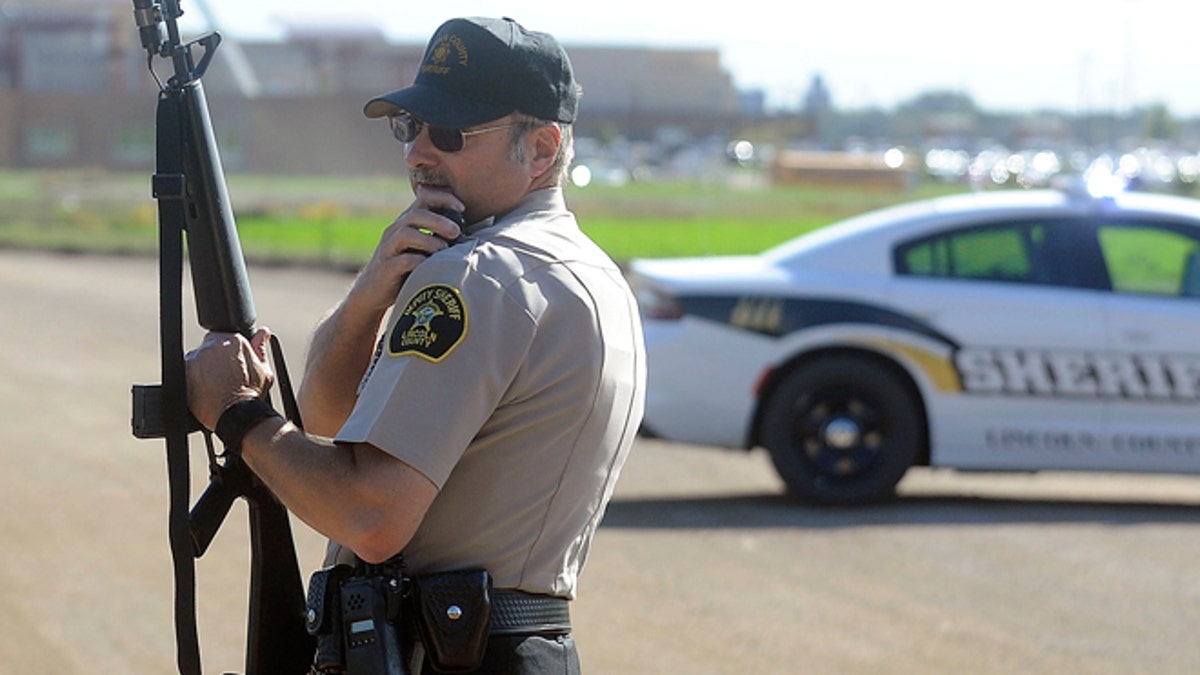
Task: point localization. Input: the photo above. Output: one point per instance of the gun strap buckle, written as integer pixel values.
(169, 185)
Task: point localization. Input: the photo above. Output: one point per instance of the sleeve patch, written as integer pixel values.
(432, 324)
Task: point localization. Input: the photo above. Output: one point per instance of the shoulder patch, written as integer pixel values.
(432, 324)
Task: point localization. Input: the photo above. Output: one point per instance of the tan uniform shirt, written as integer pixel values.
(512, 375)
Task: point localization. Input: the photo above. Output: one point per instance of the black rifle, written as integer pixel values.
(189, 185)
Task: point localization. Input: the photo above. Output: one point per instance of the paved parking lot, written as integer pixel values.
(700, 567)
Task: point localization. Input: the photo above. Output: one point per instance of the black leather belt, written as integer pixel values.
(517, 613)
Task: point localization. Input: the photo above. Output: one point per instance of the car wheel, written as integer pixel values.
(842, 431)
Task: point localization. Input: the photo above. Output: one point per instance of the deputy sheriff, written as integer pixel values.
(471, 400)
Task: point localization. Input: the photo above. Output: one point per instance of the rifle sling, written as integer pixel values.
(172, 221)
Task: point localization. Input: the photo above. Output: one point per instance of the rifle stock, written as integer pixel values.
(189, 185)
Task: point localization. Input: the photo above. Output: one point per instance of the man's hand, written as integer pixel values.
(224, 369)
(413, 236)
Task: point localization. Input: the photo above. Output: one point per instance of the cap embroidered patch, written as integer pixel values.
(438, 59)
(432, 324)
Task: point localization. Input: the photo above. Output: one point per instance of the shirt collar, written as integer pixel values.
(545, 199)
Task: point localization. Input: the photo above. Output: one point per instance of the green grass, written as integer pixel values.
(339, 220)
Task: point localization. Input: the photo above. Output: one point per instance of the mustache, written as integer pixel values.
(430, 177)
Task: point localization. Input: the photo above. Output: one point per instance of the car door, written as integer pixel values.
(1153, 322)
(1009, 295)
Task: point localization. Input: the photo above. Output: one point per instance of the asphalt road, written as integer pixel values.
(701, 566)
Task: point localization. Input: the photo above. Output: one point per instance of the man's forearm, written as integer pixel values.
(356, 495)
(338, 356)
(344, 342)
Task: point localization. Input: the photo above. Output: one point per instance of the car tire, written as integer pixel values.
(842, 430)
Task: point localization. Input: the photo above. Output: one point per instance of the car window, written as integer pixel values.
(996, 253)
(1050, 253)
(990, 253)
(1151, 259)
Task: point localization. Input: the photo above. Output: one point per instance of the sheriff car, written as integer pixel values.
(1009, 330)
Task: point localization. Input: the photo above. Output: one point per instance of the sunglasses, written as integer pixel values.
(406, 128)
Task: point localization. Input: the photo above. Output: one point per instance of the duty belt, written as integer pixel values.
(516, 612)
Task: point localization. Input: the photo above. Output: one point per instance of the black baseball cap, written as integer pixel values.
(476, 70)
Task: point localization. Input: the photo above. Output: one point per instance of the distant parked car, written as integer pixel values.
(1014, 330)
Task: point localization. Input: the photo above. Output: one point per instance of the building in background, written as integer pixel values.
(75, 93)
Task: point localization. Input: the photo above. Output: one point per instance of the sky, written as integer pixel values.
(1010, 55)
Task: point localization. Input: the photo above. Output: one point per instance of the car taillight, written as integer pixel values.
(760, 383)
(654, 302)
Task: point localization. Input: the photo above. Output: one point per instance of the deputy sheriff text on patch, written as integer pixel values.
(432, 324)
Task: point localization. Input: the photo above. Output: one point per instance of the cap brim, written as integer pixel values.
(434, 106)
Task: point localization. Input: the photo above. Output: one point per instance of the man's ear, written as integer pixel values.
(545, 139)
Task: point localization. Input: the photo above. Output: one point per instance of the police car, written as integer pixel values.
(1011, 330)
